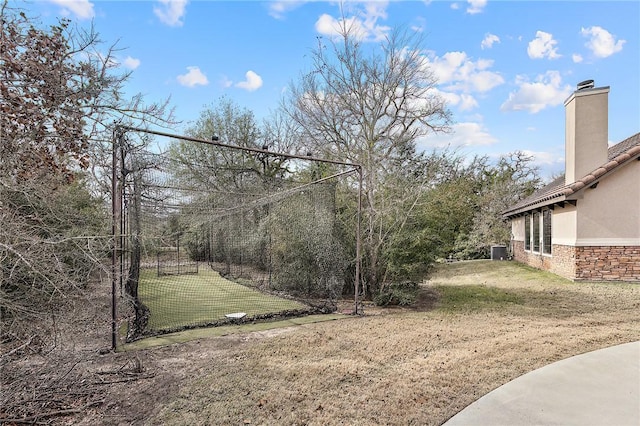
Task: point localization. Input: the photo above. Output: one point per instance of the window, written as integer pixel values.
(527, 232)
(546, 231)
(536, 231)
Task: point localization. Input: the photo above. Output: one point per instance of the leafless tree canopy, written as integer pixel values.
(369, 105)
(58, 97)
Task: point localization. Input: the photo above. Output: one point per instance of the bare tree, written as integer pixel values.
(58, 96)
(513, 178)
(369, 104)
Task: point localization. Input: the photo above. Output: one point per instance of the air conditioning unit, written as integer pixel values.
(498, 252)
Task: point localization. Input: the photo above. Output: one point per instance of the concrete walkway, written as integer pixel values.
(597, 388)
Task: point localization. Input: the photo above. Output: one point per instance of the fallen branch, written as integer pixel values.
(11, 352)
(33, 419)
(125, 379)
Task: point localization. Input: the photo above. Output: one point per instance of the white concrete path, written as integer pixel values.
(599, 388)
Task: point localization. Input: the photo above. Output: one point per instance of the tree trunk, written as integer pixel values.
(131, 287)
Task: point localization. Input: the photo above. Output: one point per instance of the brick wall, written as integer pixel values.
(537, 260)
(617, 263)
(518, 251)
(585, 263)
(564, 261)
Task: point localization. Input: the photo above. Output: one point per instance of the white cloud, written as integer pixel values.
(193, 77)
(467, 102)
(253, 82)
(450, 98)
(464, 101)
(278, 9)
(224, 82)
(463, 74)
(459, 77)
(547, 90)
(328, 25)
(420, 25)
(462, 135)
(455, 6)
(81, 9)
(543, 46)
(488, 41)
(601, 42)
(131, 63)
(363, 24)
(542, 158)
(171, 12)
(484, 81)
(576, 58)
(476, 6)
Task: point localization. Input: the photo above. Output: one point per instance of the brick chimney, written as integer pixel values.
(586, 130)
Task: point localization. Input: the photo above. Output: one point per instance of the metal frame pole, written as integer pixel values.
(115, 222)
(358, 241)
(357, 167)
(240, 148)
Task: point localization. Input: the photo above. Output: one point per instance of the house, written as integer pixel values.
(585, 225)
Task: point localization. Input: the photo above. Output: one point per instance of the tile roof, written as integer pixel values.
(557, 191)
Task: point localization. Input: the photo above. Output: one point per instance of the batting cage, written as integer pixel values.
(208, 233)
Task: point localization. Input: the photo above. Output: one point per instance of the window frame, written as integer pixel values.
(527, 232)
(547, 245)
(535, 232)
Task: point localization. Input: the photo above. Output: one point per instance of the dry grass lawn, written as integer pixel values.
(476, 326)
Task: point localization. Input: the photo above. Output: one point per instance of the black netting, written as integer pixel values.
(210, 244)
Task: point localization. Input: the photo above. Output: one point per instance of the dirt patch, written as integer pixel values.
(426, 300)
(473, 329)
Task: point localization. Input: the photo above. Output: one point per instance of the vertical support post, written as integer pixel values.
(123, 222)
(122, 208)
(269, 219)
(358, 242)
(115, 223)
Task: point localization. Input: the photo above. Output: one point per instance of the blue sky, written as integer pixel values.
(505, 67)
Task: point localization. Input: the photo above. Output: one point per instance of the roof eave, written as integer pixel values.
(571, 192)
(535, 206)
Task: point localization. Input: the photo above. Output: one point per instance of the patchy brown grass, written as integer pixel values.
(477, 325)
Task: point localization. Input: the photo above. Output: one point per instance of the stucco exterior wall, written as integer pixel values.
(609, 215)
(517, 229)
(563, 225)
(586, 132)
(596, 240)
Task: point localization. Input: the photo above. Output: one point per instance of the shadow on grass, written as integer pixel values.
(494, 272)
(517, 289)
(523, 302)
(476, 297)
